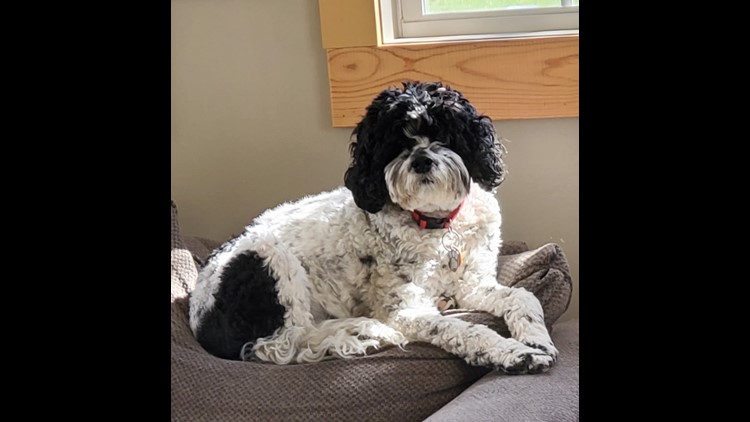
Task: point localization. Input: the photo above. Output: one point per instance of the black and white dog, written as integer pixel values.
(364, 265)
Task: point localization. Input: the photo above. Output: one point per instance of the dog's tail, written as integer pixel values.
(343, 338)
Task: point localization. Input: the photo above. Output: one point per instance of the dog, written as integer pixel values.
(364, 265)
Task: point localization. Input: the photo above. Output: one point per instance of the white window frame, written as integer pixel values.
(403, 21)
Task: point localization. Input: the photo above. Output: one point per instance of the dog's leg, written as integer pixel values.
(345, 338)
(520, 308)
(415, 315)
(475, 343)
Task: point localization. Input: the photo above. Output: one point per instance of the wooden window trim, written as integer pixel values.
(528, 78)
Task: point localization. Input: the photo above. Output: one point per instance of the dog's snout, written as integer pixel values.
(421, 164)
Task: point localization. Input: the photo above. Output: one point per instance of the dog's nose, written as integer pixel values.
(421, 164)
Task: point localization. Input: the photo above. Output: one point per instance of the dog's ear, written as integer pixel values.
(371, 151)
(485, 164)
(472, 136)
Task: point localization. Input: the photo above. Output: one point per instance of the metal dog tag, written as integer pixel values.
(450, 239)
(454, 259)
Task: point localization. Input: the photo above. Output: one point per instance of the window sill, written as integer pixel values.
(478, 38)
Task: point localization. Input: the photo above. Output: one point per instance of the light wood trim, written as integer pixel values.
(349, 23)
(507, 79)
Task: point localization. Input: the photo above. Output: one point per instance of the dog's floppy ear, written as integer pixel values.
(486, 165)
(371, 152)
(471, 135)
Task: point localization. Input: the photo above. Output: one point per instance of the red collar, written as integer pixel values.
(436, 223)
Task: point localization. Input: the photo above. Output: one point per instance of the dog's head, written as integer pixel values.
(420, 147)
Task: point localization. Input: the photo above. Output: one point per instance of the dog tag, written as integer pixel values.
(454, 258)
(450, 239)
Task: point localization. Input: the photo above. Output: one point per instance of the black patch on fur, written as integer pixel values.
(537, 346)
(246, 308)
(367, 261)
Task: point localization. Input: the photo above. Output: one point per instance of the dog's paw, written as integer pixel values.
(527, 361)
(537, 337)
(546, 346)
(513, 357)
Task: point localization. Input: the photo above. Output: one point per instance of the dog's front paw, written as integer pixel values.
(537, 337)
(516, 358)
(527, 363)
(546, 346)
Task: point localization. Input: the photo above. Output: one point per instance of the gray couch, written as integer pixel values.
(419, 383)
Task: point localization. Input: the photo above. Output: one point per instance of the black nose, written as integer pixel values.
(421, 164)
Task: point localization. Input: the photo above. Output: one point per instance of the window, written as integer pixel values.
(432, 20)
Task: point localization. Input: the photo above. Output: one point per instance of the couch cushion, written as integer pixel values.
(201, 248)
(551, 396)
(543, 271)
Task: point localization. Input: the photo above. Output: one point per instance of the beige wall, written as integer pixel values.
(251, 128)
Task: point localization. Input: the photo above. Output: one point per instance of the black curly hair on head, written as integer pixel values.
(443, 115)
